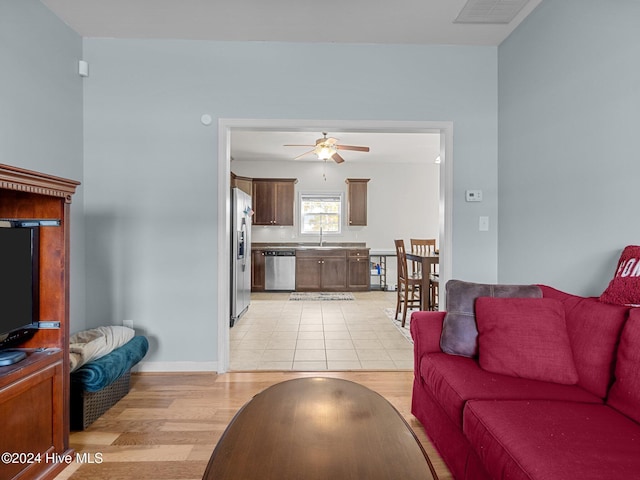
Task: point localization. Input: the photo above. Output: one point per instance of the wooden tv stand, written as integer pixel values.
(34, 393)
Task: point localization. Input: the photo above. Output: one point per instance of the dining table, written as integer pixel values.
(426, 262)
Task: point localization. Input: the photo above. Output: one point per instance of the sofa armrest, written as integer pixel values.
(426, 328)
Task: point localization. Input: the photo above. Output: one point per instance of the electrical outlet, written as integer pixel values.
(128, 323)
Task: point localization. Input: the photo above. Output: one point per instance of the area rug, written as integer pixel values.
(321, 296)
(406, 333)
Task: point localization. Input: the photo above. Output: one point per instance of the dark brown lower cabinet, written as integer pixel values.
(321, 270)
(332, 270)
(359, 270)
(257, 271)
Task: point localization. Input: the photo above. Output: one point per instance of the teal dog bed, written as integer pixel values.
(99, 384)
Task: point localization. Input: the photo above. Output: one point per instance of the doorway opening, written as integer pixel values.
(225, 129)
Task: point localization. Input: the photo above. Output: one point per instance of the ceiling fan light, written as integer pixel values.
(324, 152)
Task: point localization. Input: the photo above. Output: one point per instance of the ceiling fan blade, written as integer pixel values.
(352, 147)
(302, 155)
(337, 158)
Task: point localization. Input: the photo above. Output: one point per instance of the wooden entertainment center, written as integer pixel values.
(34, 393)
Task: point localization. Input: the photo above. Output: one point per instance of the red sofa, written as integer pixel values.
(495, 426)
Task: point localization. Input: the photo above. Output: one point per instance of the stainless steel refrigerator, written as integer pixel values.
(241, 213)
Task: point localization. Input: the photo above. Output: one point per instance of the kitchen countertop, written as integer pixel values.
(383, 252)
(307, 245)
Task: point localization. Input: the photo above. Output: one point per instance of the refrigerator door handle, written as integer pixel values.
(241, 248)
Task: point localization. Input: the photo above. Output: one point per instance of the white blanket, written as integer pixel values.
(95, 343)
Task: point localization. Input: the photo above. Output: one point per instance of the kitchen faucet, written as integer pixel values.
(320, 236)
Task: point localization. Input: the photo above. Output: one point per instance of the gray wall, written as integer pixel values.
(564, 85)
(41, 111)
(569, 117)
(568, 106)
(151, 172)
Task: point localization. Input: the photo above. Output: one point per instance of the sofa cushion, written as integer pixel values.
(624, 288)
(521, 440)
(452, 380)
(594, 330)
(459, 331)
(525, 337)
(625, 392)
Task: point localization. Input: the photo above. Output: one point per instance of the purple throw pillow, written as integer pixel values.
(459, 330)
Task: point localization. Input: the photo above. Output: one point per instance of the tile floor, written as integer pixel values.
(278, 334)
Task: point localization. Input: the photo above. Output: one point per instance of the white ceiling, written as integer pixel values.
(428, 22)
(255, 145)
(332, 21)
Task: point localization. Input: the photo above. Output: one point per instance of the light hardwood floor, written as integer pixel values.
(168, 424)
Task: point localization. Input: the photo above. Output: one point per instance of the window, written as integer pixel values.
(320, 210)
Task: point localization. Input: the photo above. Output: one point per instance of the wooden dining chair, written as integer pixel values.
(408, 294)
(427, 246)
(423, 246)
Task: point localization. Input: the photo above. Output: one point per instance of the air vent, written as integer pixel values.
(490, 11)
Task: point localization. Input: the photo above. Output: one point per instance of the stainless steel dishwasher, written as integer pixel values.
(280, 270)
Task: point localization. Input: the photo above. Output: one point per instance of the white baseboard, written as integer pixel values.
(176, 367)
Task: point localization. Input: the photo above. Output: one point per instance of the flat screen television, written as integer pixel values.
(19, 288)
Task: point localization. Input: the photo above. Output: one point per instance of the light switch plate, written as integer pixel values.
(483, 224)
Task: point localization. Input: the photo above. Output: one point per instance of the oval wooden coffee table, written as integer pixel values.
(318, 428)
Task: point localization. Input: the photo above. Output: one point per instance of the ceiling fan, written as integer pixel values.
(327, 147)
